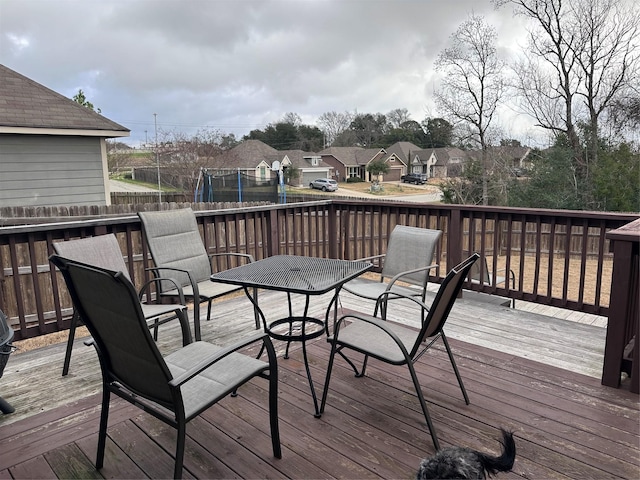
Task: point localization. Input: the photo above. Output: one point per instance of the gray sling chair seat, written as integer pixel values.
(104, 251)
(175, 388)
(178, 252)
(397, 344)
(408, 259)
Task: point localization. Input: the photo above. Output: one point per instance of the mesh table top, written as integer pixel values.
(295, 274)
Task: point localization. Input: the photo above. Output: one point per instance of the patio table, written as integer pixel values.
(295, 275)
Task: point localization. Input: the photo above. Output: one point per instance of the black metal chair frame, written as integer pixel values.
(168, 405)
(431, 331)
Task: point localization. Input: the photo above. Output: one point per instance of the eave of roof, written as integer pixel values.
(63, 131)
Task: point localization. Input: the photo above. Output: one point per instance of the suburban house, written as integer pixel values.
(351, 162)
(257, 159)
(52, 149)
(438, 162)
(308, 166)
(402, 150)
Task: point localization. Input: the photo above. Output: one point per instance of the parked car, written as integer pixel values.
(324, 184)
(417, 178)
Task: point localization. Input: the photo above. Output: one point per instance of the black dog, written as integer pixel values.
(461, 462)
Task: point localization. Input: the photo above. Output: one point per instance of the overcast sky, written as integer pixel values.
(238, 65)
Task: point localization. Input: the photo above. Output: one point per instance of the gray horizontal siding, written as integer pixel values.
(40, 170)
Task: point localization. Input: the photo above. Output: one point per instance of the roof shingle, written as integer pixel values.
(28, 104)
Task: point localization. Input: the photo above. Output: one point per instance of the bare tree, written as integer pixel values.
(607, 55)
(577, 50)
(182, 156)
(397, 117)
(474, 82)
(333, 124)
(547, 78)
(292, 118)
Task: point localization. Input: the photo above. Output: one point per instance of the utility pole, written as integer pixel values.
(155, 122)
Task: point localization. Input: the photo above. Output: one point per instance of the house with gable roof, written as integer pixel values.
(438, 162)
(256, 158)
(52, 149)
(351, 162)
(309, 166)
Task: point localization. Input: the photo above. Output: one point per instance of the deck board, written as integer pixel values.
(566, 424)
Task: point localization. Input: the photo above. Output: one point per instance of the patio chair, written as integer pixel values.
(398, 344)
(104, 251)
(481, 275)
(178, 252)
(174, 388)
(408, 259)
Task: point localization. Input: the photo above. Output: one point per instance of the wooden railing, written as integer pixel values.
(559, 258)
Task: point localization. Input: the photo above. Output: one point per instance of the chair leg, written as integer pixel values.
(352, 365)
(196, 320)
(209, 304)
(325, 391)
(256, 313)
(5, 407)
(72, 334)
(423, 404)
(455, 367)
(155, 329)
(180, 443)
(102, 432)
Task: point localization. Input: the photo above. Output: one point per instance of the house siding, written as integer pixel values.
(43, 170)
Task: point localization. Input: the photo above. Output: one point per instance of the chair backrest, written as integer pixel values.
(410, 248)
(444, 300)
(174, 241)
(109, 307)
(476, 273)
(102, 251)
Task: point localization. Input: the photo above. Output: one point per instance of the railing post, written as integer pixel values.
(624, 312)
(454, 238)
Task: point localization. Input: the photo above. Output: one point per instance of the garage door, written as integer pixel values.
(308, 177)
(393, 174)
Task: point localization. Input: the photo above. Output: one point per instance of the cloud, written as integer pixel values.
(234, 65)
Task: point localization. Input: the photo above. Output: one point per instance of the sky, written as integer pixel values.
(238, 65)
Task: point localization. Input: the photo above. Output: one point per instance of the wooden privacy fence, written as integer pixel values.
(574, 274)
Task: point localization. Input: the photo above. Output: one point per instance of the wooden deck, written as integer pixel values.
(536, 375)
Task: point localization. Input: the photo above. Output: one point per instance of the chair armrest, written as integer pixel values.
(194, 284)
(157, 280)
(408, 272)
(512, 276)
(372, 257)
(206, 363)
(246, 256)
(384, 297)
